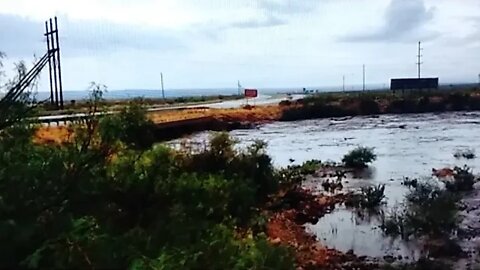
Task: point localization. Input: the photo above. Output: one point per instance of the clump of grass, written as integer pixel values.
(464, 153)
(359, 157)
(373, 196)
(332, 186)
(310, 166)
(369, 197)
(295, 174)
(428, 210)
(463, 179)
(410, 182)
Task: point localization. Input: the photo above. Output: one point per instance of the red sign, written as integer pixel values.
(252, 93)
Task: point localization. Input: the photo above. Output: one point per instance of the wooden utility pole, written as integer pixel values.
(419, 63)
(163, 89)
(363, 77)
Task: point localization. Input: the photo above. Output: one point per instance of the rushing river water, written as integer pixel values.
(406, 146)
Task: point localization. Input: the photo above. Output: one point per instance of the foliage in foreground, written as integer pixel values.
(108, 201)
(359, 157)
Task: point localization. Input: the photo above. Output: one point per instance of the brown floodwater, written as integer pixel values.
(408, 145)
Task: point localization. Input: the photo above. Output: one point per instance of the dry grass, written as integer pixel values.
(257, 114)
(52, 134)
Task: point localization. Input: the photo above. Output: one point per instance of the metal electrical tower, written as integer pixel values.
(53, 51)
(419, 56)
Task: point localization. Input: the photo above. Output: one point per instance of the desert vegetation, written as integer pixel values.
(109, 197)
(464, 153)
(359, 157)
(325, 105)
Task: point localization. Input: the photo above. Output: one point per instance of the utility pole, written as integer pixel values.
(364, 77)
(419, 63)
(343, 83)
(163, 90)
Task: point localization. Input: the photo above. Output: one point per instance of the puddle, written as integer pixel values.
(346, 230)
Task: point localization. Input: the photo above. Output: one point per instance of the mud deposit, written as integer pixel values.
(406, 146)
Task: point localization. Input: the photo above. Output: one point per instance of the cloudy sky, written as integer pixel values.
(125, 44)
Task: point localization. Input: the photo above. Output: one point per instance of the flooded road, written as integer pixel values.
(406, 146)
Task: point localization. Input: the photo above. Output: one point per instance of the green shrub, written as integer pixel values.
(110, 199)
(428, 210)
(373, 196)
(464, 153)
(369, 197)
(130, 126)
(368, 106)
(463, 180)
(359, 157)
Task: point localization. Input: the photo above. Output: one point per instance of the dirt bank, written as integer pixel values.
(286, 226)
(176, 123)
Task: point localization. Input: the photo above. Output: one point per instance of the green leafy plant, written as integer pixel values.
(463, 179)
(109, 198)
(359, 157)
(373, 196)
(428, 210)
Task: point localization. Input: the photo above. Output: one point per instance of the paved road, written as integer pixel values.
(260, 100)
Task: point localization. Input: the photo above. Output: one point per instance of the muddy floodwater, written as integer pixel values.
(406, 146)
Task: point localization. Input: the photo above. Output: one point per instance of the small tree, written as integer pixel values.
(359, 157)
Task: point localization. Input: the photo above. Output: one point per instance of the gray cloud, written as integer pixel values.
(269, 21)
(404, 21)
(214, 31)
(474, 37)
(21, 37)
(288, 6)
(275, 14)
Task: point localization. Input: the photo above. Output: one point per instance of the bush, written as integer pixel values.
(130, 126)
(463, 180)
(110, 199)
(428, 210)
(359, 157)
(369, 106)
(369, 197)
(464, 153)
(373, 196)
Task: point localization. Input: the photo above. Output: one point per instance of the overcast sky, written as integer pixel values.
(263, 43)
